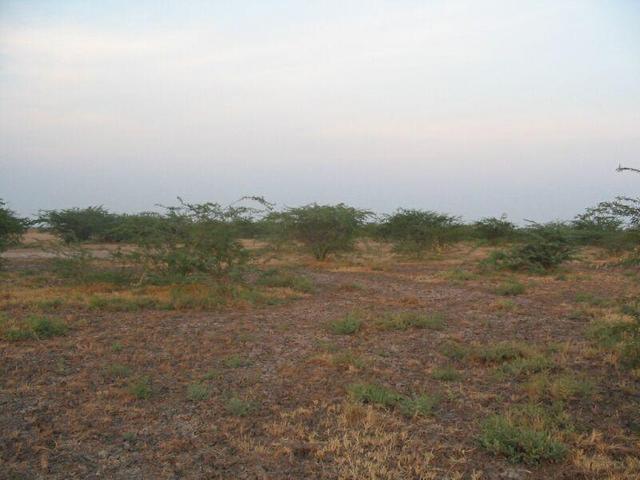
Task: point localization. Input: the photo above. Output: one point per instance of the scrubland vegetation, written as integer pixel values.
(210, 341)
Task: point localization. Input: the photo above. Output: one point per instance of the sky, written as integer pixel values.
(460, 106)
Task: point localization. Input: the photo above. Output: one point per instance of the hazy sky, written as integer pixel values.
(465, 106)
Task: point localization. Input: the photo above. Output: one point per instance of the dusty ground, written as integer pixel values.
(67, 408)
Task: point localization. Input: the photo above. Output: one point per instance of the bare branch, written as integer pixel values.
(629, 169)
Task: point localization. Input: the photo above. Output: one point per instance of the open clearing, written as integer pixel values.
(364, 366)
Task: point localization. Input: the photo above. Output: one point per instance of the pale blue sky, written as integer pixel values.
(469, 107)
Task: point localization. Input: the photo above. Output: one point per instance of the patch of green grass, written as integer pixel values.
(32, 328)
(236, 361)
(211, 374)
(524, 366)
(278, 279)
(121, 304)
(510, 288)
(348, 325)
(375, 394)
(238, 407)
(502, 352)
(52, 304)
(197, 392)
(446, 374)
(117, 347)
(405, 320)
(418, 405)
(458, 275)
(561, 387)
(141, 387)
(455, 350)
(622, 335)
(345, 360)
(519, 442)
(117, 370)
(591, 299)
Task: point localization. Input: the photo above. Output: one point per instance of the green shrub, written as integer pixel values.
(415, 231)
(32, 328)
(323, 229)
(538, 254)
(348, 325)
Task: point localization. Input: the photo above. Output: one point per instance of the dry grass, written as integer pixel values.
(187, 381)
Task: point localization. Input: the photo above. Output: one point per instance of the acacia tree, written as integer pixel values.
(323, 229)
(414, 231)
(11, 227)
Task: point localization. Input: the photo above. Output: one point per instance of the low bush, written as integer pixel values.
(544, 248)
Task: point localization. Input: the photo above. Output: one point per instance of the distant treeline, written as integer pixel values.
(613, 224)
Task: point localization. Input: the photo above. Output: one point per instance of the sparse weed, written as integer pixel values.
(525, 366)
(446, 374)
(117, 370)
(417, 405)
(236, 361)
(562, 387)
(197, 392)
(141, 387)
(502, 352)
(238, 407)
(32, 328)
(520, 443)
(346, 360)
(510, 288)
(405, 320)
(277, 279)
(455, 350)
(347, 325)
